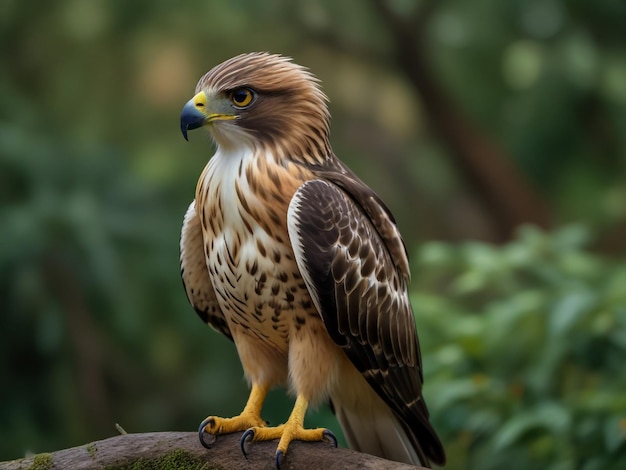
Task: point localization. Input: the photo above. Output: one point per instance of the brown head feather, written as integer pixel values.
(289, 115)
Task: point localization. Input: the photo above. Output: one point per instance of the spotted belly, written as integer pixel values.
(279, 335)
(259, 287)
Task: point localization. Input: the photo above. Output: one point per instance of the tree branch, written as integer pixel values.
(181, 450)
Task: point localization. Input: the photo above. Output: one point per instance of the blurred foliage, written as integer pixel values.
(523, 344)
(524, 351)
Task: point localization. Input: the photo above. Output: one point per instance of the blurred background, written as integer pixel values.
(494, 129)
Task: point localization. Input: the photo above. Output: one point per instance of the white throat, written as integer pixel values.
(225, 171)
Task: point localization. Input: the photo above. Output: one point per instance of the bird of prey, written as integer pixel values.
(290, 255)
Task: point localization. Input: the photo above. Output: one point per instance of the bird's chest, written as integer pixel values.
(249, 257)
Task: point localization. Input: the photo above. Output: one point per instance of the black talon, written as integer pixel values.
(203, 425)
(279, 459)
(330, 437)
(246, 438)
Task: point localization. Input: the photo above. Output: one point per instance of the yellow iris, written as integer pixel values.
(242, 97)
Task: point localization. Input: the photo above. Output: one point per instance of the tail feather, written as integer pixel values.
(370, 425)
(377, 431)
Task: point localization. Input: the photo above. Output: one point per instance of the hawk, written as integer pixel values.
(290, 255)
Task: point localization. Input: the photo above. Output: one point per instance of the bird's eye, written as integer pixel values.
(242, 97)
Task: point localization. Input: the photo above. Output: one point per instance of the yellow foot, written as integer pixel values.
(249, 417)
(214, 425)
(292, 430)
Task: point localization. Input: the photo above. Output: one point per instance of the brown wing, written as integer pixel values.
(362, 297)
(373, 207)
(195, 275)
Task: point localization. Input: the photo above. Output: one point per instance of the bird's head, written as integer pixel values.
(261, 100)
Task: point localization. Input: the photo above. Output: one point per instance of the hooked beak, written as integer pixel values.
(194, 114)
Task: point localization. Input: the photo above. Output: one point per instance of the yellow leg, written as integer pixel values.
(292, 430)
(249, 417)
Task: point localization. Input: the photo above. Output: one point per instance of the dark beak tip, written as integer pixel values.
(191, 118)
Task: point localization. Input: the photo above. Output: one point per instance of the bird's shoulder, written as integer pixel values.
(372, 206)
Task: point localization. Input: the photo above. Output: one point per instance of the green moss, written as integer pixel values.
(91, 450)
(175, 460)
(42, 462)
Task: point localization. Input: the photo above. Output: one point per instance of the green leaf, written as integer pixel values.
(547, 417)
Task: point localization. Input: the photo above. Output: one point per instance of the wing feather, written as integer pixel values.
(378, 214)
(362, 297)
(195, 274)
